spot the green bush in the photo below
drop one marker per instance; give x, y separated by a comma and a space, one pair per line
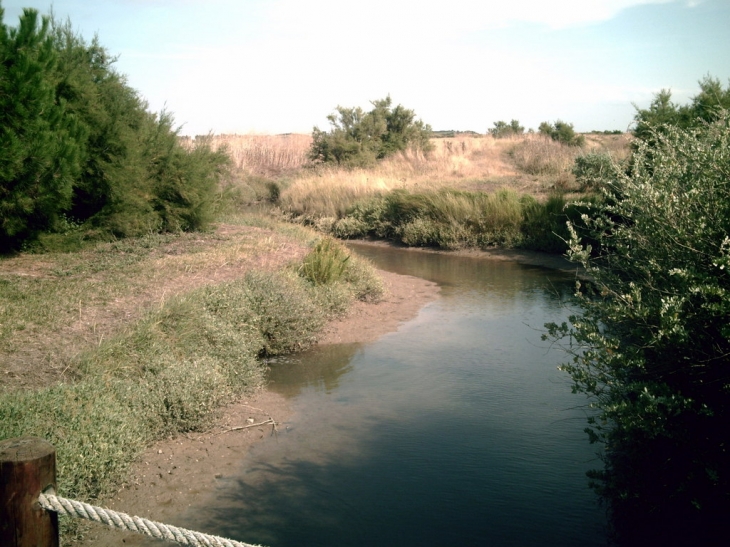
707, 106
41, 143
592, 169
365, 283
286, 315
359, 139
654, 338
325, 264
503, 129
78, 143
562, 132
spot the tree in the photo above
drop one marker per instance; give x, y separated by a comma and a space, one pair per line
358, 138
77, 141
707, 106
651, 348
562, 132
40, 143
503, 129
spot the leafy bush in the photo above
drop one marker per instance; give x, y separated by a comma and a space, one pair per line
358, 138
78, 143
654, 338
707, 106
286, 315
590, 170
562, 132
503, 129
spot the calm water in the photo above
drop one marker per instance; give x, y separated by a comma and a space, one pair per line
455, 430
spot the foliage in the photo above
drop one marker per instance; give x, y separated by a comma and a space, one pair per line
167, 369
358, 138
81, 145
591, 169
707, 106
285, 314
651, 347
503, 129
41, 143
562, 132
325, 264
452, 219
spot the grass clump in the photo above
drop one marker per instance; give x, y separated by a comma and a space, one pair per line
325, 264
543, 156
331, 269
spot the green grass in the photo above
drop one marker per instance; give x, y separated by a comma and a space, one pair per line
453, 219
170, 366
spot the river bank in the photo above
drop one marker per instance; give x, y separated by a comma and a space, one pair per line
176, 473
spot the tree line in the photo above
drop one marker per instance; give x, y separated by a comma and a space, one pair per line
80, 147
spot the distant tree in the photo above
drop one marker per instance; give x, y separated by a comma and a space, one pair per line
707, 106
39, 143
358, 138
503, 129
562, 132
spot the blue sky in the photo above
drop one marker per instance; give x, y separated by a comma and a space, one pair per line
275, 66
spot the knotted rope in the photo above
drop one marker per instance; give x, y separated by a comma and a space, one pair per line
120, 521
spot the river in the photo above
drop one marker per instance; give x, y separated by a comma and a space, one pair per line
455, 430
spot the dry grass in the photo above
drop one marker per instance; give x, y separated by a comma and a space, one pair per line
539, 155
266, 155
462, 163
56, 306
617, 146
526, 164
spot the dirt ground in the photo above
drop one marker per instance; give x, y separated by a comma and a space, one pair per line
177, 473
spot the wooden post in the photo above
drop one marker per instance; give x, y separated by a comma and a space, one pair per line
27, 468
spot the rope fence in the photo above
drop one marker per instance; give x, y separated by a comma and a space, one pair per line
29, 507
122, 521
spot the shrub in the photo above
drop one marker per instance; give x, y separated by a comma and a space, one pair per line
503, 129
707, 106
562, 132
654, 338
358, 138
286, 315
78, 142
592, 169
41, 145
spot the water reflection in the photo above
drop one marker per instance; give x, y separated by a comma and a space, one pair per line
320, 368
455, 430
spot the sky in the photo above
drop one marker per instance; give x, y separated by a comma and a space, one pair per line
281, 66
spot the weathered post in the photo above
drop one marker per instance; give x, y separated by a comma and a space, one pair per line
27, 468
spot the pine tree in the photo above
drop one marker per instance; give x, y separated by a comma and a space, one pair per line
40, 144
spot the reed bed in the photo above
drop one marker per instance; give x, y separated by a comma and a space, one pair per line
266, 154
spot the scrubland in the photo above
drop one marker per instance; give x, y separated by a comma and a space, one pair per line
468, 191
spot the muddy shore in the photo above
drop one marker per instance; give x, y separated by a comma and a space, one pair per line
175, 474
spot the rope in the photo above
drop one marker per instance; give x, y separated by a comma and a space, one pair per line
120, 521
